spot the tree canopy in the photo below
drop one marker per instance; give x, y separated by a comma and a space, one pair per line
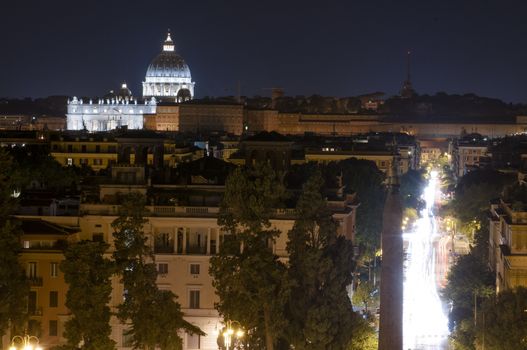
474, 192
14, 287
155, 316
503, 322
469, 281
88, 274
249, 278
320, 269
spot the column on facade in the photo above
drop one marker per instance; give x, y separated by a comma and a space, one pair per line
176, 240
209, 230
185, 230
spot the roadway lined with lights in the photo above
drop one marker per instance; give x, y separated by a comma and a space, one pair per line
425, 322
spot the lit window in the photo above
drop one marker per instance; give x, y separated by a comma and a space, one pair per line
193, 341
162, 268
70, 162
194, 269
54, 269
32, 270
53, 328
53, 298
194, 299
128, 340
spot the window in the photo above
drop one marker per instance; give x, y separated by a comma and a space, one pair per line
194, 299
193, 341
53, 328
162, 268
32, 269
194, 269
70, 148
83, 148
70, 161
97, 149
53, 298
32, 302
97, 161
97, 237
128, 340
54, 269
26, 244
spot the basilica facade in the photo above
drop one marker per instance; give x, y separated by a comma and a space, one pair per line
114, 110
167, 79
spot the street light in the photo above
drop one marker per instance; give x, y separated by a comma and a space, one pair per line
26, 342
229, 333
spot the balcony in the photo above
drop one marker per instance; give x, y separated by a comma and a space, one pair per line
196, 249
59, 244
35, 281
35, 311
164, 247
161, 211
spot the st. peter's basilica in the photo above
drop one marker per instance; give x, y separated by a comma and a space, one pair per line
167, 79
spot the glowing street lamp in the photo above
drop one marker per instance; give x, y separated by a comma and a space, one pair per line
26, 342
229, 333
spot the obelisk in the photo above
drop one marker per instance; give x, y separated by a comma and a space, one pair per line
391, 303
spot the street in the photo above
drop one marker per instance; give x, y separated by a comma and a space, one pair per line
426, 264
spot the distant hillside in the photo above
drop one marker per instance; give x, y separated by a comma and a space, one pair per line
442, 104
52, 105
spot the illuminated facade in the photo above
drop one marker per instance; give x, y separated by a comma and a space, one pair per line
108, 113
507, 244
183, 235
168, 76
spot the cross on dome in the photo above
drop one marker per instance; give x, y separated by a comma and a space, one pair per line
169, 44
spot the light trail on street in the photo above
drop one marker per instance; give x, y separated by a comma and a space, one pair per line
425, 321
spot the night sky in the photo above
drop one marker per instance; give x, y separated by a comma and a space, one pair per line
332, 48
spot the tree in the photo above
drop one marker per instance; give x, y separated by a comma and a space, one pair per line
503, 322
412, 184
35, 163
474, 192
468, 280
249, 278
363, 177
320, 271
155, 316
88, 274
365, 294
14, 287
364, 335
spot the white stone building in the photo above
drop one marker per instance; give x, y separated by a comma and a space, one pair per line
168, 76
108, 113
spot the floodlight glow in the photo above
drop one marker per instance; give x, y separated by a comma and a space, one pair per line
425, 323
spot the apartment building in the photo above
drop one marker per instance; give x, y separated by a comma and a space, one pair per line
182, 230
508, 243
469, 152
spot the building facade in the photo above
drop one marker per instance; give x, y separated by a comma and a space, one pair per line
109, 113
508, 244
184, 235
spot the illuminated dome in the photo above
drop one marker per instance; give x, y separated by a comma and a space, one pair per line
168, 64
168, 75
